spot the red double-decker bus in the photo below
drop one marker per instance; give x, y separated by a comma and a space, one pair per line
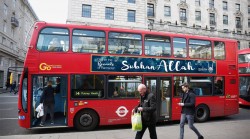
244, 77
99, 69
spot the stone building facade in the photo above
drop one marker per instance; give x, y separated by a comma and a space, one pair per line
215, 18
16, 19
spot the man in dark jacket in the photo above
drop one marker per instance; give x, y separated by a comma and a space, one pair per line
147, 106
48, 101
188, 110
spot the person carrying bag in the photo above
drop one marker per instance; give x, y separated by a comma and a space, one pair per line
147, 108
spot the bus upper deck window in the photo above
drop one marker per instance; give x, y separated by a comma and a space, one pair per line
219, 50
180, 49
157, 46
88, 41
125, 43
53, 40
200, 49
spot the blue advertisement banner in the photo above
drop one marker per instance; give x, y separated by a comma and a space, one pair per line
136, 64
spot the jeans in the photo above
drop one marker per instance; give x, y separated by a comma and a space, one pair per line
190, 119
152, 131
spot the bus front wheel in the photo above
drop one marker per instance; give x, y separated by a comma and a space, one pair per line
201, 113
86, 120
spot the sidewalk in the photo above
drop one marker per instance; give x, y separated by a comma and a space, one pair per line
4, 92
210, 130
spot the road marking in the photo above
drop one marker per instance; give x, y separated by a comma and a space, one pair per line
8, 96
8, 118
9, 103
6, 109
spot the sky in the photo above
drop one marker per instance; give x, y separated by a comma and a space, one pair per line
54, 11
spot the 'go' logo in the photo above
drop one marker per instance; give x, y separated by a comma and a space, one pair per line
44, 66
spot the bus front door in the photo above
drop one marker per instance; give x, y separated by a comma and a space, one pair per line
59, 85
161, 87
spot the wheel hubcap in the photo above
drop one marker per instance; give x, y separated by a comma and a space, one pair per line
86, 120
200, 113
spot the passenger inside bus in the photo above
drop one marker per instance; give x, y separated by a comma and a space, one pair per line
115, 95
126, 51
55, 45
58, 85
119, 51
218, 87
136, 52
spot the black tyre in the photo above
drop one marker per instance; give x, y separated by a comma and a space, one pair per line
86, 120
201, 113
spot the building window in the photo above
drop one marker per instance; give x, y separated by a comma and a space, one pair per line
86, 11
212, 19
14, 3
167, 11
225, 19
198, 15
5, 26
3, 40
131, 16
197, 2
183, 14
225, 5
12, 46
225, 30
248, 9
237, 6
211, 3
131, 1
150, 9
5, 9
249, 45
12, 32
237, 22
109, 13
1, 61
249, 23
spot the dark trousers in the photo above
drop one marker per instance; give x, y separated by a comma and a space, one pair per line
152, 131
190, 119
51, 108
12, 89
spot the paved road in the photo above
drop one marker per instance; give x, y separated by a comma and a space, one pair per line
232, 127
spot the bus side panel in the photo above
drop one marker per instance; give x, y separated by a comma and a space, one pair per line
231, 96
118, 112
176, 109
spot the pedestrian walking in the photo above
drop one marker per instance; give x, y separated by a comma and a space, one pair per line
147, 107
188, 110
7, 85
13, 87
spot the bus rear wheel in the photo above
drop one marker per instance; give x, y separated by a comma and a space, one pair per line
86, 120
201, 113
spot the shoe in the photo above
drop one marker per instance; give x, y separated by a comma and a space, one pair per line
52, 122
201, 137
41, 124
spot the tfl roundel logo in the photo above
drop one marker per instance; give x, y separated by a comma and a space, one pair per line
121, 111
